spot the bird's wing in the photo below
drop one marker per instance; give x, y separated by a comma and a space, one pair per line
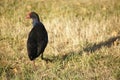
31, 47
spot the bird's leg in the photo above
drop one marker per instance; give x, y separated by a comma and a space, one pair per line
33, 63
45, 59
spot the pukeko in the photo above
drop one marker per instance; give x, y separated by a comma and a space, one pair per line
37, 38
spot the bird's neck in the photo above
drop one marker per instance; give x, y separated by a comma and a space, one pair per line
35, 21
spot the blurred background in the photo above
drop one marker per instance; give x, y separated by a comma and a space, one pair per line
83, 40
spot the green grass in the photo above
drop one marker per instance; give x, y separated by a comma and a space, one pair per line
83, 40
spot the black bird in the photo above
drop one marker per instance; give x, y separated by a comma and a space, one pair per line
37, 39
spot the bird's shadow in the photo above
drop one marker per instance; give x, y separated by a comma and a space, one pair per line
47, 60
92, 48
108, 43
59, 58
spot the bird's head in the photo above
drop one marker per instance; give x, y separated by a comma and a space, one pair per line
33, 15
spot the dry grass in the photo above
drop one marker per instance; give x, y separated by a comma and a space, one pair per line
83, 40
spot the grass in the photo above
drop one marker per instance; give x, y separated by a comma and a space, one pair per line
83, 40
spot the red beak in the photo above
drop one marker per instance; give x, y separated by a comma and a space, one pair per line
28, 16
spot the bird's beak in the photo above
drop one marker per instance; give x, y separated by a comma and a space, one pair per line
28, 16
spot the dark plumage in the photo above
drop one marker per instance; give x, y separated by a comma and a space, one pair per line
37, 39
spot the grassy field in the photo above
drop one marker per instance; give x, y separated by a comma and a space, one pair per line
84, 40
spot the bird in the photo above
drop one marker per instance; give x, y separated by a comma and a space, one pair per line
37, 37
